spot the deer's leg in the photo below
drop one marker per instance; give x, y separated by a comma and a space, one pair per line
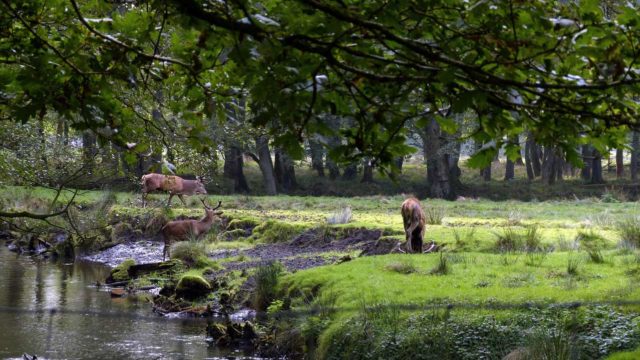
170, 197
144, 197
182, 199
165, 250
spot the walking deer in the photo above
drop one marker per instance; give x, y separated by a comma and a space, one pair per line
184, 229
414, 224
175, 185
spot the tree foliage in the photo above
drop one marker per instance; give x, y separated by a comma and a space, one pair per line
565, 71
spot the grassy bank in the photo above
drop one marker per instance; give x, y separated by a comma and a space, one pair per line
542, 252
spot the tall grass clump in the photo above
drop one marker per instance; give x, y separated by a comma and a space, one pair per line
464, 238
548, 344
434, 215
593, 243
532, 239
192, 252
266, 278
629, 230
442, 267
508, 241
342, 216
573, 265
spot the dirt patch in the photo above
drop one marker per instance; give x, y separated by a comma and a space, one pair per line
304, 251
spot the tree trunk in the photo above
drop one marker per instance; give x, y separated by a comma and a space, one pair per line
367, 173
234, 168
284, 171
509, 172
619, 163
89, 150
596, 168
350, 172
635, 151
587, 160
266, 165
534, 153
399, 161
317, 152
528, 148
438, 163
486, 173
549, 166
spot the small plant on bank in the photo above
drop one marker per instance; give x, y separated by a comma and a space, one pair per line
629, 231
266, 278
463, 238
434, 215
593, 244
192, 253
442, 267
340, 217
573, 265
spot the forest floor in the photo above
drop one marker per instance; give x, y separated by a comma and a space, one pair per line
581, 250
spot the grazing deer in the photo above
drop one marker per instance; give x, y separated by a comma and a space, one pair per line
414, 221
184, 229
175, 185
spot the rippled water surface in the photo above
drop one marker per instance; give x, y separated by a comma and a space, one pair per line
53, 310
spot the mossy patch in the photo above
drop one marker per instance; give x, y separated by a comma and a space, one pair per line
121, 272
272, 231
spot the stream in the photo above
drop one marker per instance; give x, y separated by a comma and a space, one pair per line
54, 310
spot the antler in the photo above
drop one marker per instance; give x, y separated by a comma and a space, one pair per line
208, 207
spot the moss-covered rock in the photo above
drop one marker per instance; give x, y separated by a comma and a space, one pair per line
121, 272
191, 286
242, 224
120, 231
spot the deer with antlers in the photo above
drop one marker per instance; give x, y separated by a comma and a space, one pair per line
184, 229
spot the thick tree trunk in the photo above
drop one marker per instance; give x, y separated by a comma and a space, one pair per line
317, 153
234, 169
285, 171
509, 171
587, 160
635, 153
266, 165
596, 168
439, 182
619, 163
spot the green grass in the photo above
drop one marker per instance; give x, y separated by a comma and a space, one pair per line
625, 355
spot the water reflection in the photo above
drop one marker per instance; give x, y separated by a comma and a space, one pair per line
51, 309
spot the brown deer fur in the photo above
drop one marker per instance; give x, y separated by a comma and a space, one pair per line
414, 224
175, 185
184, 229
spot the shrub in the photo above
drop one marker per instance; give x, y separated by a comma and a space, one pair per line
266, 278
